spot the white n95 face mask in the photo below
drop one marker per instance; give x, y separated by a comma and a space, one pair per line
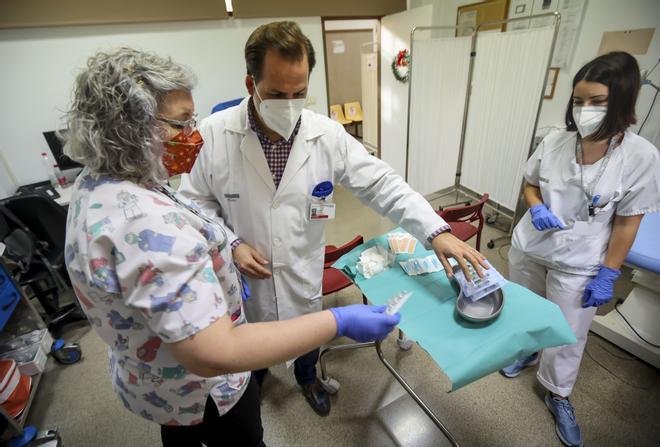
280, 115
588, 118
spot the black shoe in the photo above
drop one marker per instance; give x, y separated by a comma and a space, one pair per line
317, 397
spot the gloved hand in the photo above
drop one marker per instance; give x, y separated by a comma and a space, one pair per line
601, 289
364, 323
543, 219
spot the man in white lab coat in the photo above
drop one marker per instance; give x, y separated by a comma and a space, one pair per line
268, 169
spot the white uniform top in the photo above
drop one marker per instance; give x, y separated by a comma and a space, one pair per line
629, 186
231, 178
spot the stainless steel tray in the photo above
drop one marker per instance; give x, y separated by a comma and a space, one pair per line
486, 309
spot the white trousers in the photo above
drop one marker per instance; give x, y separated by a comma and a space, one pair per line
559, 366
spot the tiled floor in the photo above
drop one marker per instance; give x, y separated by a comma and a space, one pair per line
617, 397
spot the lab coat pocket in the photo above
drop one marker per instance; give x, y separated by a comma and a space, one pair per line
605, 214
310, 272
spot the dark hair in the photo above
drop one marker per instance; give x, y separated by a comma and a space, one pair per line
620, 73
284, 37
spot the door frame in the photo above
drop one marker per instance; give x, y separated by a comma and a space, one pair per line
325, 56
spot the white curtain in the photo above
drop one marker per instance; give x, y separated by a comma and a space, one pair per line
506, 86
370, 99
439, 82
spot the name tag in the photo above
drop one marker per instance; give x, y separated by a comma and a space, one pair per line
581, 228
232, 197
321, 211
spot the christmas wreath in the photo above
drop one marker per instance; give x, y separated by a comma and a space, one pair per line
400, 66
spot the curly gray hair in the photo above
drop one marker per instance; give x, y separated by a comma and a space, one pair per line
111, 124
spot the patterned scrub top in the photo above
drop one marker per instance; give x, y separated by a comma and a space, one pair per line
149, 268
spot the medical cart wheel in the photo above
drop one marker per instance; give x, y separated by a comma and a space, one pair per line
66, 353
405, 344
330, 385
491, 244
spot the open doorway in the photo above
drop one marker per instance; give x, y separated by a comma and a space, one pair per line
352, 61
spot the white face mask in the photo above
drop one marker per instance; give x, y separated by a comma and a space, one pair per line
280, 115
588, 118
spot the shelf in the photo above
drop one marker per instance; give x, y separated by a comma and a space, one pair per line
33, 390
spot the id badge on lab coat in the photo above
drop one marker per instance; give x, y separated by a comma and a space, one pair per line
321, 210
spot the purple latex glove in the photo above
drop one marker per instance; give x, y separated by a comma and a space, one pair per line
364, 323
543, 219
601, 289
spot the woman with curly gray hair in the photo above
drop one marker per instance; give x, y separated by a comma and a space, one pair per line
155, 275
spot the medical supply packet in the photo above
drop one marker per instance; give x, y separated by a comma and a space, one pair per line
419, 266
395, 303
402, 243
475, 287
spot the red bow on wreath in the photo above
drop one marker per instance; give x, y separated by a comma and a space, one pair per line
402, 58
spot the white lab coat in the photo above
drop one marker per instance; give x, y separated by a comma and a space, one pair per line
231, 179
630, 185
558, 264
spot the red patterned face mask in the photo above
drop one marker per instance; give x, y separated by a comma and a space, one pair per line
181, 152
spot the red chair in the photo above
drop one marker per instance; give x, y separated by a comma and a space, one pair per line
459, 219
334, 280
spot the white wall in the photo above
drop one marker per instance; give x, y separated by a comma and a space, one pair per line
39, 67
611, 15
395, 36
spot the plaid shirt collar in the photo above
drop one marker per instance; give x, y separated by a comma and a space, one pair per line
263, 138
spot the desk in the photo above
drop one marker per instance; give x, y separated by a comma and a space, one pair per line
65, 195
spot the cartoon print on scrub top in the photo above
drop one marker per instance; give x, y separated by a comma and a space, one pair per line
149, 240
176, 218
70, 251
196, 254
148, 351
121, 344
160, 202
148, 274
103, 226
217, 259
103, 276
188, 388
117, 255
195, 408
157, 401
116, 321
129, 204
173, 301
120, 268
207, 275
174, 372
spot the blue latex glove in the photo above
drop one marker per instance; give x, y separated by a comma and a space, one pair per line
601, 289
245, 290
364, 323
543, 219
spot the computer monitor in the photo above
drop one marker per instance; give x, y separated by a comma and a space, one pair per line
55, 145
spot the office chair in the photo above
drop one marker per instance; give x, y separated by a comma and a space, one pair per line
353, 112
460, 220
34, 230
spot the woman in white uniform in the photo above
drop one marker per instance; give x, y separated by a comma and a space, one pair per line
587, 188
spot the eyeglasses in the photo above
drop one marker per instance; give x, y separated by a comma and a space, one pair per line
187, 127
